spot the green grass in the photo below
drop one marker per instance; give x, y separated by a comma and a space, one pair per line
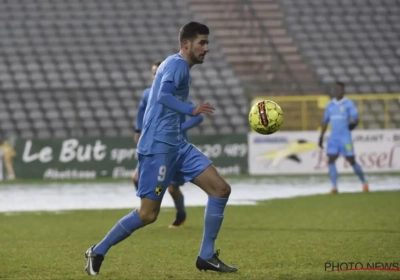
277, 239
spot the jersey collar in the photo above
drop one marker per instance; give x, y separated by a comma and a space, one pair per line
340, 101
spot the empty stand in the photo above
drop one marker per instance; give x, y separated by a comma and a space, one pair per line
356, 42
256, 43
78, 68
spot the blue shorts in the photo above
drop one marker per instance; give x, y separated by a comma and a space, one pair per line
340, 146
157, 171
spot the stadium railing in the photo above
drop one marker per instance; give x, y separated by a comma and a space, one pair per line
376, 111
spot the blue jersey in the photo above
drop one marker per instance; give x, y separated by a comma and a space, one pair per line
142, 108
339, 114
161, 131
185, 124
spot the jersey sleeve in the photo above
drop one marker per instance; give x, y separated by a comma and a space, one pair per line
192, 122
175, 72
352, 109
327, 116
141, 110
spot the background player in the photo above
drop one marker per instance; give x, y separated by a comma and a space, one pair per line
140, 115
343, 116
174, 188
164, 154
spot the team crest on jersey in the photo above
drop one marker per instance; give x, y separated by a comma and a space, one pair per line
159, 190
341, 108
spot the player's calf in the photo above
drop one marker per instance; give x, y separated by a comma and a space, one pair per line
359, 172
218, 191
177, 196
333, 174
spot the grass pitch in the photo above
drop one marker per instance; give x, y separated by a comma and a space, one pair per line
277, 239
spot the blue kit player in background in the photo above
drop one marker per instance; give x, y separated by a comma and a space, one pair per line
342, 114
174, 187
140, 115
164, 154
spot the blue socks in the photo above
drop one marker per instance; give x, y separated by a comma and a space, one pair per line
180, 208
359, 172
123, 229
213, 217
333, 175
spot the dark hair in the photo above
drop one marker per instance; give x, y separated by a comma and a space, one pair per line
340, 84
157, 63
190, 31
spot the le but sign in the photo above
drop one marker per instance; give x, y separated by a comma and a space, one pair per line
86, 158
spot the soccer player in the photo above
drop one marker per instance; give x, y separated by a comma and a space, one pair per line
140, 115
165, 154
343, 116
174, 188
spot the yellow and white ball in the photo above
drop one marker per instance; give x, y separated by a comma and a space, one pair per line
266, 117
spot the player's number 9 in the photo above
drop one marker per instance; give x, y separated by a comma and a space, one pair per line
161, 173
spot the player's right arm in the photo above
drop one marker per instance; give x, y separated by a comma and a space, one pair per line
176, 72
140, 115
324, 126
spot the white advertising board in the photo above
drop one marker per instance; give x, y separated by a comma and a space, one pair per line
298, 152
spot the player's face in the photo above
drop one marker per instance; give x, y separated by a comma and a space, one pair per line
153, 71
339, 92
198, 48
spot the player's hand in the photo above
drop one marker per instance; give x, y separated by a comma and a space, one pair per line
352, 126
205, 108
136, 137
321, 141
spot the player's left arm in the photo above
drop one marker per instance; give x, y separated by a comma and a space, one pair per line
140, 113
177, 72
192, 122
140, 116
324, 126
353, 112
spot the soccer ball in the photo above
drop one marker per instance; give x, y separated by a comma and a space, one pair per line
266, 117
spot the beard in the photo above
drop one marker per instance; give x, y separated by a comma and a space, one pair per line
196, 60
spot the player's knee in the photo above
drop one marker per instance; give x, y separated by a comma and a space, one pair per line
172, 190
223, 190
331, 160
148, 216
351, 160
135, 177
149, 210
175, 192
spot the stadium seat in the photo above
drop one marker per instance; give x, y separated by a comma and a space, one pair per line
81, 67
351, 42
358, 40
